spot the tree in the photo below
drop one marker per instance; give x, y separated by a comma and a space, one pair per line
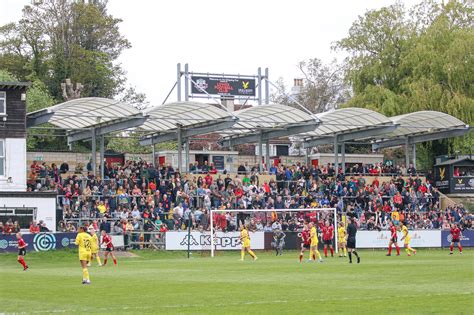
59, 39
402, 61
322, 88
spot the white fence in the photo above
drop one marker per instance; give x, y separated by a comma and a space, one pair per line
419, 238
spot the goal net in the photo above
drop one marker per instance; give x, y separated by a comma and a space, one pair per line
261, 224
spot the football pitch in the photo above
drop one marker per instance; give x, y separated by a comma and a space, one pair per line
168, 282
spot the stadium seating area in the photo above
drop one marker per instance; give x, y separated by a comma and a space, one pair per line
138, 196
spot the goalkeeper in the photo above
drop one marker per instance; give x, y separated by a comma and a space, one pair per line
278, 241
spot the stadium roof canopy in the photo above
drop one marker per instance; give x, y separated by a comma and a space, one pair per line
184, 119
419, 127
265, 122
88, 116
347, 124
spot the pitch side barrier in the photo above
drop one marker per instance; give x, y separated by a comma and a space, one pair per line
201, 241
43, 242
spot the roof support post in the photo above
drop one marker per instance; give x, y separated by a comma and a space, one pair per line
267, 154
414, 155
180, 149
186, 155
153, 148
306, 156
407, 153
102, 156
94, 151
267, 87
259, 88
343, 157
186, 82
260, 152
178, 81
336, 157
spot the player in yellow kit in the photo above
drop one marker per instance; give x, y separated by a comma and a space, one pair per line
94, 246
407, 239
245, 240
314, 243
84, 242
341, 240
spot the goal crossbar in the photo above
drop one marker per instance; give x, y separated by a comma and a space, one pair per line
247, 211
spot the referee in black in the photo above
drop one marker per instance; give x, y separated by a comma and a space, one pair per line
351, 240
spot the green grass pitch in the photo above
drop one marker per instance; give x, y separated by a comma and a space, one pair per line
168, 282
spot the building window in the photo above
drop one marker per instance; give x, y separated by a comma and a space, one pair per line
3, 103
2, 157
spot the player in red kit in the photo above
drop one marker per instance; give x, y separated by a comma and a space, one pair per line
328, 236
455, 238
109, 247
305, 240
21, 251
393, 239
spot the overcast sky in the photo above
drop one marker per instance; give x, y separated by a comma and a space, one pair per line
223, 36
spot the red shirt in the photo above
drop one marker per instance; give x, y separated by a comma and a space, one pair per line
107, 240
455, 233
34, 229
328, 233
21, 243
393, 231
305, 236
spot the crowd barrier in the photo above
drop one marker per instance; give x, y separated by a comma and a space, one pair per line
178, 240
43, 242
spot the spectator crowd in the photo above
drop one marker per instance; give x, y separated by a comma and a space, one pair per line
139, 196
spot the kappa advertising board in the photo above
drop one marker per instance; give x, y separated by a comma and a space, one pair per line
223, 86
419, 238
202, 241
43, 242
467, 238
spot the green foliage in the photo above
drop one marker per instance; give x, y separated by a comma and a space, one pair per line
5, 76
61, 39
403, 61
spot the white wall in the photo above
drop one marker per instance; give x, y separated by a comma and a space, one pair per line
15, 162
46, 208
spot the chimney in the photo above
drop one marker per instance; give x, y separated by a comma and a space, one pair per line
228, 102
297, 86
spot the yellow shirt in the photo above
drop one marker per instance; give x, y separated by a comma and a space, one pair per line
395, 216
404, 230
94, 243
84, 243
244, 235
341, 233
314, 235
102, 208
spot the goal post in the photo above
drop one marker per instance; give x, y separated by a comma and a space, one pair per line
256, 211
